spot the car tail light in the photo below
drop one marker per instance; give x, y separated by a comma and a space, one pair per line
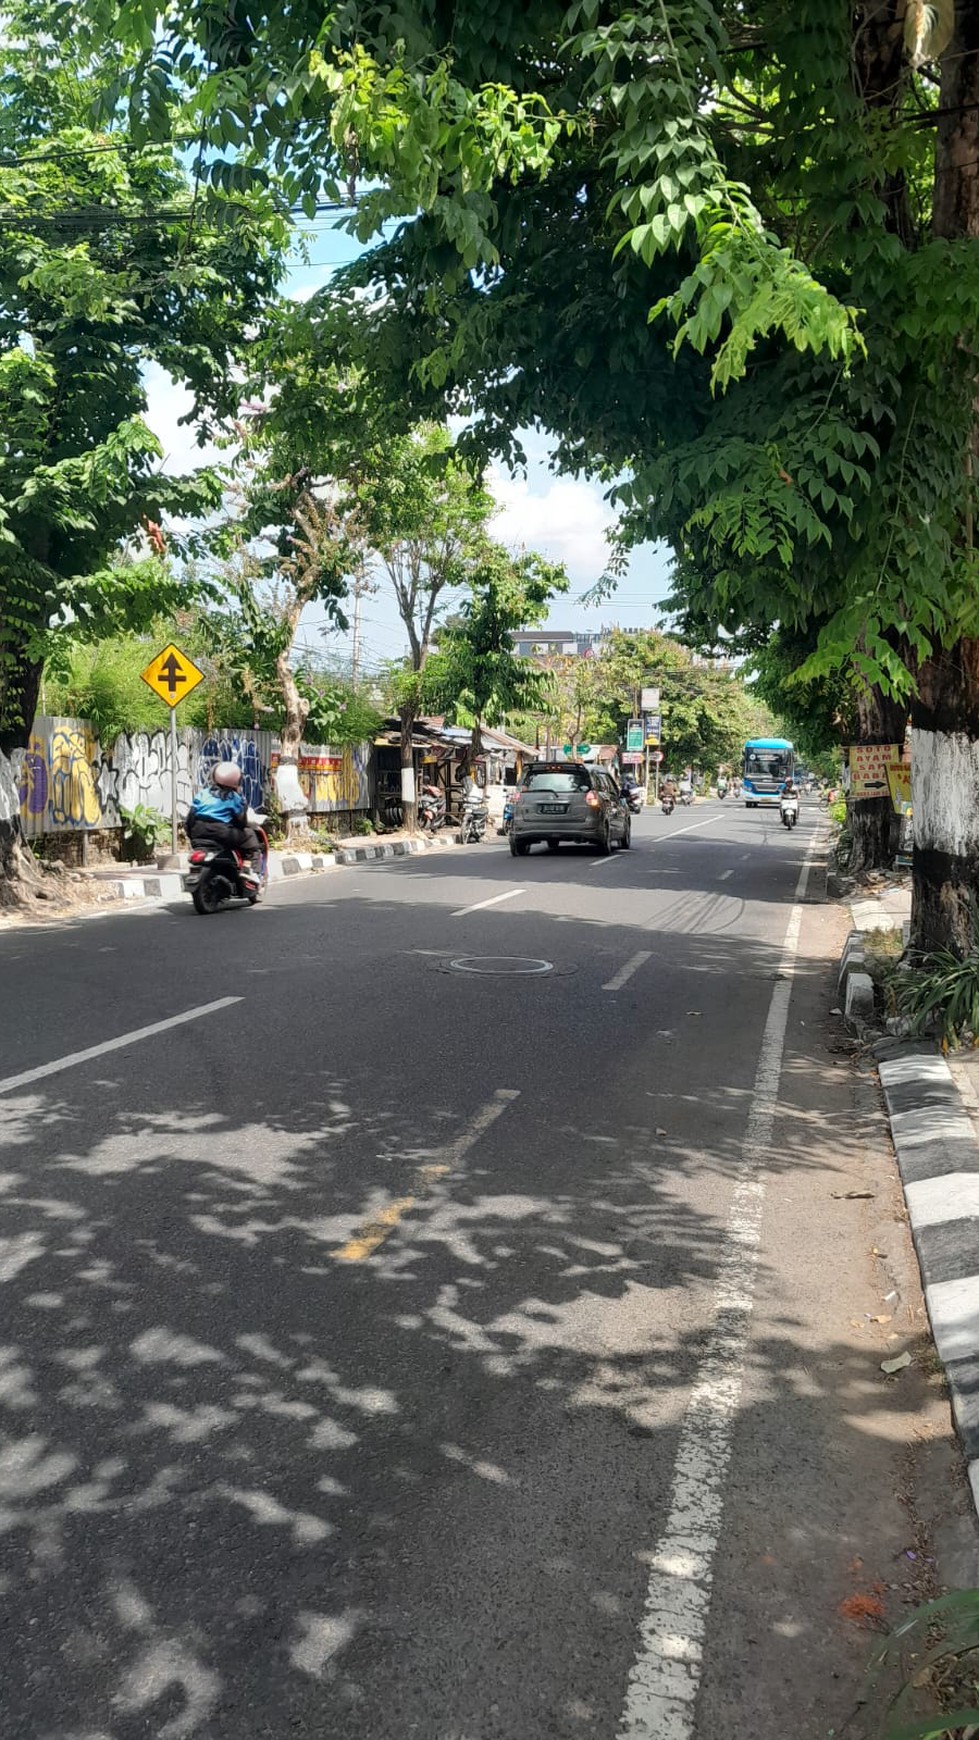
593, 801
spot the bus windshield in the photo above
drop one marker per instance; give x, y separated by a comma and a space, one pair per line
767, 763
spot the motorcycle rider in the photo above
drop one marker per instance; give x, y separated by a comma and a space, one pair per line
219, 817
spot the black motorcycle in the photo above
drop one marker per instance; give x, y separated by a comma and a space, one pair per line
215, 877
473, 821
431, 812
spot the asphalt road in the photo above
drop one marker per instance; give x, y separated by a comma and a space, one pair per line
419, 1347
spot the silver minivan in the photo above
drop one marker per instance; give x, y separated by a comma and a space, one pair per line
561, 800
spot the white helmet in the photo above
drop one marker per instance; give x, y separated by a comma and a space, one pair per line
227, 774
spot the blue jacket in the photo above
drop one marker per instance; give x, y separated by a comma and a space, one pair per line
218, 805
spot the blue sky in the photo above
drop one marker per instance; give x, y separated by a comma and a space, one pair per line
563, 517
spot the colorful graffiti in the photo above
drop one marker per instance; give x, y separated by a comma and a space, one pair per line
244, 749
67, 781
56, 777
334, 779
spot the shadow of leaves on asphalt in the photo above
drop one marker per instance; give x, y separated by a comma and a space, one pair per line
244, 1484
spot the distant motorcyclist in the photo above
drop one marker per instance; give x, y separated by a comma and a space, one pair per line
219, 817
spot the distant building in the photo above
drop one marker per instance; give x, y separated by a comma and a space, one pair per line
551, 643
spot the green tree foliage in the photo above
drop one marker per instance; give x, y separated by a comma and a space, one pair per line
707, 713
101, 681
104, 266
476, 674
819, 712
729, 251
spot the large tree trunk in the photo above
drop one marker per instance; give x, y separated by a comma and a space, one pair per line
292, 799
20, 690
874, 828
409, 801
19, 879
945, 792
945, 716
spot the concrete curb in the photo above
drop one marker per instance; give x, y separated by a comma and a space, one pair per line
283, 864
370, 854
168, 885
938, 1157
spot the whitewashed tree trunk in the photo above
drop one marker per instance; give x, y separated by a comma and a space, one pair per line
945, 806
292, 799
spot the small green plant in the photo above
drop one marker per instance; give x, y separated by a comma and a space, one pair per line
941, 990
935, 1650
274, 824
364, 825
837, 811
143, 831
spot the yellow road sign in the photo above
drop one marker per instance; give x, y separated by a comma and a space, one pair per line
172, 675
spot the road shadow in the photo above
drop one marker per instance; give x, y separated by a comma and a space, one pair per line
250, 1486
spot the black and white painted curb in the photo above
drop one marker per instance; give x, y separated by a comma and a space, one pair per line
369, 854
938, 1156
168, 884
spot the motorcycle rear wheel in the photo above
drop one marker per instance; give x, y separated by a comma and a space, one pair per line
208, 895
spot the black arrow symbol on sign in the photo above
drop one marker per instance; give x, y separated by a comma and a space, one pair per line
172, 674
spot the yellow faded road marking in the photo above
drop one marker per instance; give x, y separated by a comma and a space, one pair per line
428, 1174
366, 1240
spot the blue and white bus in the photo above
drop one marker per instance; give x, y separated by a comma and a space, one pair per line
766, 766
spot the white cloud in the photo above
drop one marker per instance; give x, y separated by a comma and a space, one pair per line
167, 402
565, 519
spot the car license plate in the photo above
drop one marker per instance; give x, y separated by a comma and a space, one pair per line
552, 809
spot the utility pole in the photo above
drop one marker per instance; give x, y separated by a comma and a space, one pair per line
361, 586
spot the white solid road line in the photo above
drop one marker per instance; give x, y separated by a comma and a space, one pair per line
665, 839
724, 875
603, 863
664, 1682
625, 973
69, 1062
494, 900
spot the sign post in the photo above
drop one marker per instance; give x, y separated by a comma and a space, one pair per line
172, 676
655, 756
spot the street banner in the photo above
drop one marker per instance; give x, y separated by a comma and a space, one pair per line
869, 763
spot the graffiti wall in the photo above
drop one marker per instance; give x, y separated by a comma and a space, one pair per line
334, 779
67, 782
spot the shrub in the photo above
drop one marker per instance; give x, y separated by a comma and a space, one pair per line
942, 990
143, 830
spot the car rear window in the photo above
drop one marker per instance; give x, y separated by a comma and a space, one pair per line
557, 779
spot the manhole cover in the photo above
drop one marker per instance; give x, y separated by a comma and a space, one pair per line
504, 966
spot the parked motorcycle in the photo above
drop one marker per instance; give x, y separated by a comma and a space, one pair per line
475, 816
214, 878
788, 809
431, 811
